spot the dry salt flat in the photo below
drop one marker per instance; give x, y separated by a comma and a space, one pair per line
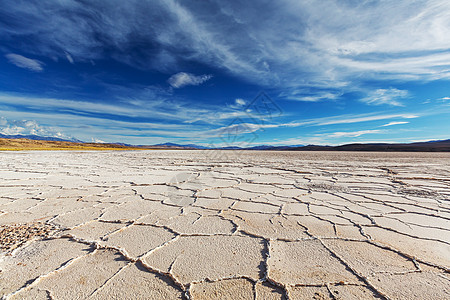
224, 225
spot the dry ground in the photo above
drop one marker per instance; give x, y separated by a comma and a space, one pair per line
224, 225
27, 144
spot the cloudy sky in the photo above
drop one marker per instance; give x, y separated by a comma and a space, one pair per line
225, 73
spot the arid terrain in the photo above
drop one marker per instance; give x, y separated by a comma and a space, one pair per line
224, 225
7, 144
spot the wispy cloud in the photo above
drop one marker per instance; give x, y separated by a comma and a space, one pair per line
349, 119
245, 127
158, 109
69, 58
182, 79
129, 117
307, 96
240, 102
25, 63
87, 127
332, 138
394, 123
303, 43
386, 96
351, 134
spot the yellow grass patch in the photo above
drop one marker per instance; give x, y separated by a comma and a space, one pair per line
27, 144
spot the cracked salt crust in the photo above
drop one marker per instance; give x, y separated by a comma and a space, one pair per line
261, 225
224, 289
195, 223
134, 281
35, 260
83, 277
306, 262
268, 226
138, 239
367, 258
404, 286
197, 258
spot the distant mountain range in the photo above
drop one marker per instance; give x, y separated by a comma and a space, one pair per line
172, 145
193, 146
430, 146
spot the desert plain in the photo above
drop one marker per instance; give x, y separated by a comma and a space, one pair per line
224, 225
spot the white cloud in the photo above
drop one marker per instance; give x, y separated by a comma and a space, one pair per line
239, 106
299, 95
24, 62
394, 123
182, 79
386, 96
95, 140
351, 134
28, 127
240, 102
349, 119
234, 129
69, 58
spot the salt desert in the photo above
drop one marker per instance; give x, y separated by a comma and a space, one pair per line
224, 225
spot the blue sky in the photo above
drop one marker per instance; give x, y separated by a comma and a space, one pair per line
148, 72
